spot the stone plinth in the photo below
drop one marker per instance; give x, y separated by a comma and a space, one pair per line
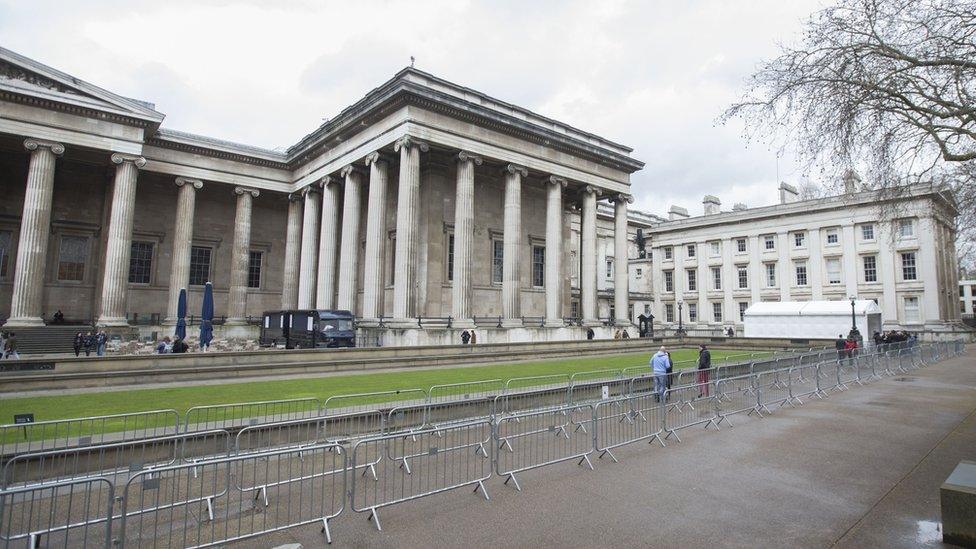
958, 500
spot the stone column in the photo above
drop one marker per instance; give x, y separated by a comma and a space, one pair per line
554, 251
588, 254
325, 292
621, 279
405, 258
512, 258
375, 237
237, 295
35, 228
308, 263
463, 240
349, 250
179, 274
118, 250
293, 253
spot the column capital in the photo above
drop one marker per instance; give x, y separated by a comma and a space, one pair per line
555, 180
32, 144
465, 156
349, 169
590, 189
195, 183
376, 157
308, 189
622, 197
119, 158
246, 190
408, 141
296, 196
516, 169
328, 180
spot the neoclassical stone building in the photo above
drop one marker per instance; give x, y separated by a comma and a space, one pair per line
423, 200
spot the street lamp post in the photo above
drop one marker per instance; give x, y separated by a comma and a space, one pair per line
681, 330
854, 334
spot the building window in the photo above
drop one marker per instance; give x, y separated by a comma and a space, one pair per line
609, 269
692, 280
392, 260
769, 242
668, 252
717, 311
801, 274
497, 261
743, 305
574, 309
6, 237
692, 312
870, 268
640, 272
254, 260
72, 256
908, 266
630, 311
770, 275
799, 239
740, 244
832, 237
613, 311
538, 266
140, 262
716, 249
691, 250
200, 265
867, 232
669, 312
833, 271
911, 309
743, 272
668, 281
450, 257
716, 278
906, 228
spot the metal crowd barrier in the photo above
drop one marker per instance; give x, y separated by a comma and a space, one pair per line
626, 420
735, 395
241, 414
74, 513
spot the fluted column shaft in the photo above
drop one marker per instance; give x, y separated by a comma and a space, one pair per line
293, 253
408, 196
349, 250
554, 252
35, 229
237, 295
325, 292
621, 282
512, 258
375, 238
588, 256
308, 263
179, 274
463, 240
118, 249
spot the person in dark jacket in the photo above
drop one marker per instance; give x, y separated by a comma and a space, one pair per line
465, 337
78, 343
704, 365
590, 333
180, 346
840, 344
101, 339
670, 371
89, 343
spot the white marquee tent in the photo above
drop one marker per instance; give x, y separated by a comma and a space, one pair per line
811, 319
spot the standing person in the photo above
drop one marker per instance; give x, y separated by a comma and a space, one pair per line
78, 342
10, 347
659, 367
100, 340
704, 364
164, 347
474, 338
670, 370
59, 317
840, 344
465, 337
850, 347
625, 334
590, 334
89, 343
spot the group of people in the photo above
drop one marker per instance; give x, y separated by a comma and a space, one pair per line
894, 336
91, 341
846, 346
468, 337
167, 346
621, 334
662, 369
8, 346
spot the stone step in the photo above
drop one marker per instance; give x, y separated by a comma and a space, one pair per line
46, 339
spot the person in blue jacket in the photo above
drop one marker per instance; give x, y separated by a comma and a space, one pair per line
659, 367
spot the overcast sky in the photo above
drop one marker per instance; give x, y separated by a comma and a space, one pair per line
651, 75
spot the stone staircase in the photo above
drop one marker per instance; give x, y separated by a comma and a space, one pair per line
46, 339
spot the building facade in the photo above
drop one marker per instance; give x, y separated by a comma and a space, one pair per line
967, 297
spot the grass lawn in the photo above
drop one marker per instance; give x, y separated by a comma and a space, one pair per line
182, 398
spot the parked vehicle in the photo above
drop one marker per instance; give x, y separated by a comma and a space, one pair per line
308, 329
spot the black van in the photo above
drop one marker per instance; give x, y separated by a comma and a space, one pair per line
274, 329
309, 329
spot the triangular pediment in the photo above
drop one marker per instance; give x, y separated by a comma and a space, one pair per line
24, 76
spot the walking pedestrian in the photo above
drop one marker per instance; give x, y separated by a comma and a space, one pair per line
474, 338
101, 339
89, 343
659, 368
78, 342
704, 364
10, 347
465, 337
840, 344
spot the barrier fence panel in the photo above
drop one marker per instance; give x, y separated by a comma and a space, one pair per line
470, 390
803, 382
436, 461
75, 513
295, 434
115, 461
735, 395
536, 439
846, 372
893, 362
86, 431
234, 498
379, 400
242, 414
687, 406
537, 383
773, 389
865, 364
526, 400
626, 420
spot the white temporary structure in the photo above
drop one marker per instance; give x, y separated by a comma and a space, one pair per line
811, 319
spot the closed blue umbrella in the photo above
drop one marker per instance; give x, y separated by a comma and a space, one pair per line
206, 320
181, 315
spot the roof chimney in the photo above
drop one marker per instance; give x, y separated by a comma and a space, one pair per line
739, 206
677, 212
851, 181
788, 193
711, 204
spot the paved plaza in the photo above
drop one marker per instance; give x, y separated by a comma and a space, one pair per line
861, 469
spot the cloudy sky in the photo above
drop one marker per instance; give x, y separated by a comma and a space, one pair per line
652, 75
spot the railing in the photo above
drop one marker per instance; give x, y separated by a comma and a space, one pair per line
192, 489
